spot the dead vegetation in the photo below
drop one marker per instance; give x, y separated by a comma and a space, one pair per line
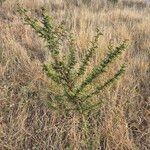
122, 123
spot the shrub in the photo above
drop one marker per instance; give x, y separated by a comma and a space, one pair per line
69, 72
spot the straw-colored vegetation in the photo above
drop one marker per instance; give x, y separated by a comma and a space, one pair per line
121, 122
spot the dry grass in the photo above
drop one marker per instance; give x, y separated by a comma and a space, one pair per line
122, 123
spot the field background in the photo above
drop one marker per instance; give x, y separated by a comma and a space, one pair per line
122, 123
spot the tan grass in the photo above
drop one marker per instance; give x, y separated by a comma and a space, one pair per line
123, 121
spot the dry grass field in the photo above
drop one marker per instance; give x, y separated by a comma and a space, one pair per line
121, 123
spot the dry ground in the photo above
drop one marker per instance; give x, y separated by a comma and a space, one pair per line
122, 123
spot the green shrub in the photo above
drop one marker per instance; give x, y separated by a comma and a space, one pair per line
68, 71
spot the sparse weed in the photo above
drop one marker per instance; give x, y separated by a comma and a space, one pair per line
69, 73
